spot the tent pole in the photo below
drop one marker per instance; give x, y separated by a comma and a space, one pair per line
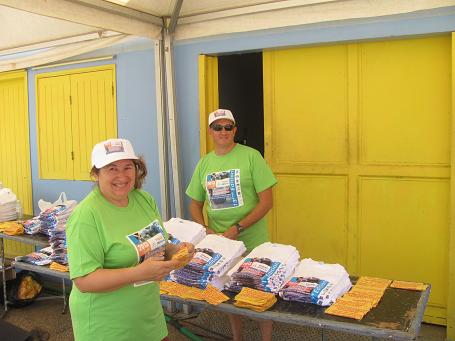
161, 128
168, 34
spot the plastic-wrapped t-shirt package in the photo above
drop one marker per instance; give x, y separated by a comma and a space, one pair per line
265, 268
316, 282
214, 256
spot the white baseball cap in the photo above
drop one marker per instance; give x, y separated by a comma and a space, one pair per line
220, 114
112, 150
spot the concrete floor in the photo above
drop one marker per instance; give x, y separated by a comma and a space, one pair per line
46, 319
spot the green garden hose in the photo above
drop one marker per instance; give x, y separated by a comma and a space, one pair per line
182, 329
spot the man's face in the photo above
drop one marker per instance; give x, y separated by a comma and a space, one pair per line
222, 136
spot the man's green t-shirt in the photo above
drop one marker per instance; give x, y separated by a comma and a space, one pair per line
230, 183
102, 235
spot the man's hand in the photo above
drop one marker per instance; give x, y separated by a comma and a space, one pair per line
231, 233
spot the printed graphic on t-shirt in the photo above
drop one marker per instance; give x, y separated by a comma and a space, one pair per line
223, 189
148, 241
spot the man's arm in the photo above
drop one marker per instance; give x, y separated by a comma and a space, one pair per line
264, 205
196, 210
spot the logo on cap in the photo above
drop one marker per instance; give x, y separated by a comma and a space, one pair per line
114, 147
220, 113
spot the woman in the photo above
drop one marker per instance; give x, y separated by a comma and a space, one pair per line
117, 251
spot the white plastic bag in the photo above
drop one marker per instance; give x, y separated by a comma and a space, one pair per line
44, 205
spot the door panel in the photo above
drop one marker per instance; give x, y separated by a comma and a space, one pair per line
93, 116
15, 147
308, 199
208, 97
359, 138
405, 91
54, 128
300, 97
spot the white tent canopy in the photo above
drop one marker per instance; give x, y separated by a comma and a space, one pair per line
30, 24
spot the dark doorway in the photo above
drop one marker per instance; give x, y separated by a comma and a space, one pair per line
241, 91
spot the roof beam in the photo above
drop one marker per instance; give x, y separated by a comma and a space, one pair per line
297, 12
95, 13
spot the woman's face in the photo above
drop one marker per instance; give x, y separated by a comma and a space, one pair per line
116, 180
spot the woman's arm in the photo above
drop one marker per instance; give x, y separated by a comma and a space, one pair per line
264, 205
106, 280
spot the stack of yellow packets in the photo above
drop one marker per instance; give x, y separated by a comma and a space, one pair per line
11, 228
182, 256
254, 299
211, 294
363, 296
59, 267
409, 285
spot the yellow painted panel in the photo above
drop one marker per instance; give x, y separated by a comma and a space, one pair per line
405, 94
14, 140
311, 214
14, 249
308, 126
208, 97
395, 124
15, 147
93, 116
54, 128
403, 231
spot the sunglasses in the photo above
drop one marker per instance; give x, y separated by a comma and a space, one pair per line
219, 127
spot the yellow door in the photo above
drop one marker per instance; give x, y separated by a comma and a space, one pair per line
54, 128
75, 110
208, 97
15, 147
93, 116
359, 138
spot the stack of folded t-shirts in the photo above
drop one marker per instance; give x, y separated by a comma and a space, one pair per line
32, 226
41, 257
265, 268
53, 224
181, 230
316, 282
8, 205
213, 257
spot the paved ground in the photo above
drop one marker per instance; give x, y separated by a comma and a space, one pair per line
46, 319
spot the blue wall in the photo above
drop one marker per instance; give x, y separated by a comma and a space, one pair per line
186, 60
136, 99
136, 114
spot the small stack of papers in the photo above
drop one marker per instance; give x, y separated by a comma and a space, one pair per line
409, 285
11, 228
210, 294
364, 296
253, 299
182, 256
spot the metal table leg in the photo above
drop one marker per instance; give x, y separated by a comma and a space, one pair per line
5, 301
64, 296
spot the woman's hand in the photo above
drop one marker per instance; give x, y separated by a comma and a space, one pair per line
154, 269
189, 247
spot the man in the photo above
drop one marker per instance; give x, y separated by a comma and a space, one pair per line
237, 184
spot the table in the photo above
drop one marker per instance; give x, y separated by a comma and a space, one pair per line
38, 240
398, 315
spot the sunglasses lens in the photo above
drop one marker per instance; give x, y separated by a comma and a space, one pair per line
219, 127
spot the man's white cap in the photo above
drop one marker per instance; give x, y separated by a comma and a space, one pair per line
112, 150
220, 114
